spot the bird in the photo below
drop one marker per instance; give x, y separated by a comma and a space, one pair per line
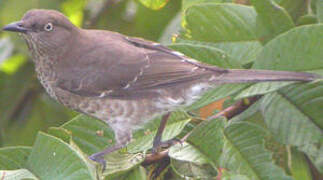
121, 80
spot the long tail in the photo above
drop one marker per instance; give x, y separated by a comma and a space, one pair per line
244, 76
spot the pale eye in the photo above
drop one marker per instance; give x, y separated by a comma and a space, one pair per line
48, 27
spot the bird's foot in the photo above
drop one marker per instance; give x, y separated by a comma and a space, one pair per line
99, 158
165, 144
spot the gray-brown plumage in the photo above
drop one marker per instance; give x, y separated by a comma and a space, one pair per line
121, 80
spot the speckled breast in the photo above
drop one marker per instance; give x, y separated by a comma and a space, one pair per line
46, 77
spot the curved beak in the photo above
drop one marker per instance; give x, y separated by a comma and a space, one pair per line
15, 27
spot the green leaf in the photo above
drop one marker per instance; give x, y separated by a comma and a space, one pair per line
14, 157
319, 10
207, 138
186, 161
143, 139
120, 163
52, 158
294, 116
206, 54
154, 4
17, 174
299, 49
91, 135
274, 18
186, 152
261, 88
189, 170
213, 22
302, 118
240, 52
244, 152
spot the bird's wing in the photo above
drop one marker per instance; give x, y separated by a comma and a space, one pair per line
132, 68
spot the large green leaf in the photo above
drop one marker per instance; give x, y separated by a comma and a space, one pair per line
186, 152
261, 88
302, 120
187, 161
274, 18
294, 116
296, 50
299, 49
240, 53
52, 158
14, 157
213, 22
207, 54
207, 138
244, 152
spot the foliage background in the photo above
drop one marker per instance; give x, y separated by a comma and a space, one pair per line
278, 137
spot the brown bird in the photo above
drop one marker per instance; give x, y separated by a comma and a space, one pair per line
121, 80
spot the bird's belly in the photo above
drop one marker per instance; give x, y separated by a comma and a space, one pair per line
131, 114
121, 114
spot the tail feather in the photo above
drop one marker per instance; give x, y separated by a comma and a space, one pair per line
245, 76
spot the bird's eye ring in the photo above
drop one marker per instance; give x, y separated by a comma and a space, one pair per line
48, 27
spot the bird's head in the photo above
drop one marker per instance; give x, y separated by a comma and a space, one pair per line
44, 29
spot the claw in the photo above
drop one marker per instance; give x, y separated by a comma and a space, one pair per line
165, 144
99, 159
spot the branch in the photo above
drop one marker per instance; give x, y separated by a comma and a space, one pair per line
236, 109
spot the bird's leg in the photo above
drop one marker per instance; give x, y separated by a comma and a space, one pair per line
99, 157
157, 143
122, 138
